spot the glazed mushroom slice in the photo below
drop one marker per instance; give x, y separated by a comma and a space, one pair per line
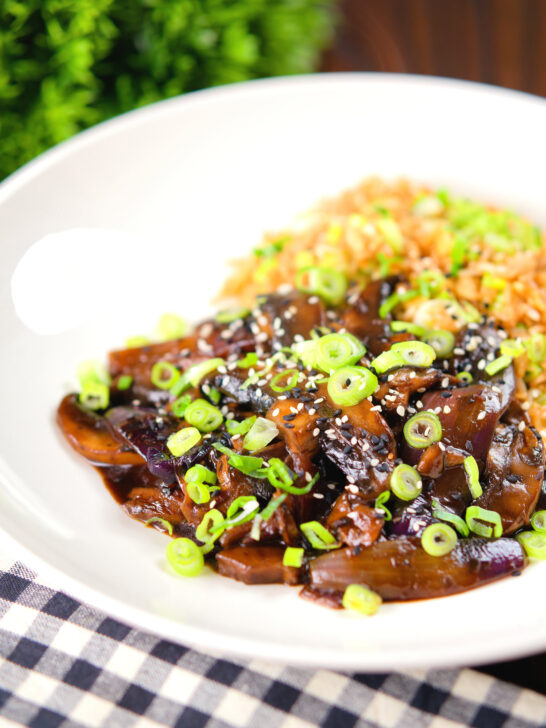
398, 386
361, 444
92, 436
257, 565
514, 475
362, 319
290, 315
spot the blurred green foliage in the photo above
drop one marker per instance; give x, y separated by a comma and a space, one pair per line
67, 64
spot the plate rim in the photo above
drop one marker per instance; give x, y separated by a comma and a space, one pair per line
208, 639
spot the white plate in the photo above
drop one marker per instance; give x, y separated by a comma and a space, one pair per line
187, 184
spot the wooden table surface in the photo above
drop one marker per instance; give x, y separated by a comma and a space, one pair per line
494, 41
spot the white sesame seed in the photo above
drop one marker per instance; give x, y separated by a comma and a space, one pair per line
212, 504
312, 411
275, 412
352, 489
299, 407
447, 409
521, 426
316, 432
353, 441
350, 479
400, 411
319, 400
445, 382
236, 436
481, 416
374, 462
482, 364
377, 408
319, 496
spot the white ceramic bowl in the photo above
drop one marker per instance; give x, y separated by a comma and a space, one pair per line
170, 192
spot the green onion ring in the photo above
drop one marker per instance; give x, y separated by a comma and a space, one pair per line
360, 599
406, 482
291, 374
534, 544
438, 539
318, 536
473, 476
473, 517
423, 429
164, 375
350, 385
185, 557
203, 415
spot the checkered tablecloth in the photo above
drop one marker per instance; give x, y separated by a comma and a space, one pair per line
63, 663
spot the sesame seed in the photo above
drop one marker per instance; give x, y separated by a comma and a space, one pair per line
481, 416
316, 432
521, 426
318, 495
374, 462
447, 409
350, 479
352, 489
401, 411
445, 382
275, 412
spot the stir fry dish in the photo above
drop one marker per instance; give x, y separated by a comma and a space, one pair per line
324, 438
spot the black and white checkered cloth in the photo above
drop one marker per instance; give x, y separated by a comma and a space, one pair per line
63, 663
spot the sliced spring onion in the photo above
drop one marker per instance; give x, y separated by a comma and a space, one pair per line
242, 510
293, 557
318, 536
534, 544
350, 385
415, 353
285, 380
256, 527
497, 365
406, 482
394, 300
171, 327
211, 527
390, 230
166, 525
203, 415
200, 474
180, 405
538, 521
240, 428
386, 361
305, 351
443, 515
473, 476
272, 506
183, 440
136, 342
247, 464
443, 342
194, 374
423, 429
198, 492
512, 348
379, 505
358, 598
260, 434
459, 252
249, 360
280, 476
438, 539
431, 283
231, 314
536, 348
475, 515
185, 557
465, 377
334, 351
124, 382
415, 329
93, 371
94, 395
328, 283
164, 375
213, 395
